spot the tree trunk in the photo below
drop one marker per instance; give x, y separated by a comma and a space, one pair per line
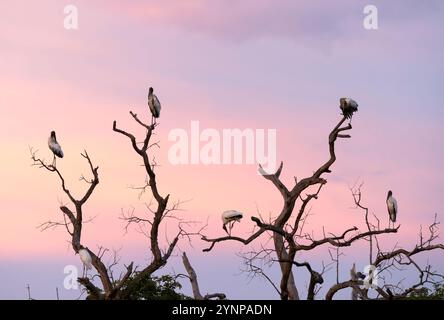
290, 290
193, 277
354, 294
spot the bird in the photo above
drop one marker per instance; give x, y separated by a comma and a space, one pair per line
348, 107
55, 147
392, 207
230, 217
154, 104
86, 260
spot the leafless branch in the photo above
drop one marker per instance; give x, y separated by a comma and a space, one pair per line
194, 283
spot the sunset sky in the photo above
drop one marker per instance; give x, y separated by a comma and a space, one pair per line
257, 64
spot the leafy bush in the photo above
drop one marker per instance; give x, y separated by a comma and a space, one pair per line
154, 288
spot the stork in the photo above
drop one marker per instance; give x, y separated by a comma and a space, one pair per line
392, 207
154, 104
230, 217
348, 107
86, 260
55, 147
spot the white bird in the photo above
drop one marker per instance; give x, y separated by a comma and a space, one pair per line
55, 147
154, 104
392, 207
348, 107
230, 217
86, 260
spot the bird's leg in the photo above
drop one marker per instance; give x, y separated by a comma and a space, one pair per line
83, 273
53, 161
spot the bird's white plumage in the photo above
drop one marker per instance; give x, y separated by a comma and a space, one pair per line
231, 215
86, 258
55, 147
351, 103
348, 106
392, 206
154, 104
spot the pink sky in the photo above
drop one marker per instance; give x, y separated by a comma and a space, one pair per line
227, 66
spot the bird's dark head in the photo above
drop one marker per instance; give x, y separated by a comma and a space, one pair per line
53, 135
150, 90
342, 102
389, 194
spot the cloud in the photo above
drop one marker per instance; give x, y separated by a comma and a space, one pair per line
243, 20
296, 20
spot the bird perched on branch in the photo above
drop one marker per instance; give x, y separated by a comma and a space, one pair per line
230, 217
55, 147
154, 104
392, 207
348, 107
86, 260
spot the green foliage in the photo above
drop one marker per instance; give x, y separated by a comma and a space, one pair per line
153, 288
427, 294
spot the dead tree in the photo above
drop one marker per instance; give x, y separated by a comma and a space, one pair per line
287, 234
388, 262
396, 260
161, 210
282, 232
192, 276
73, 222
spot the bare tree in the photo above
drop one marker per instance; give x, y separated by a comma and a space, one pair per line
395, 260
289, 239
286, 232
192, 276
160, 211
73, 222
386, 263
